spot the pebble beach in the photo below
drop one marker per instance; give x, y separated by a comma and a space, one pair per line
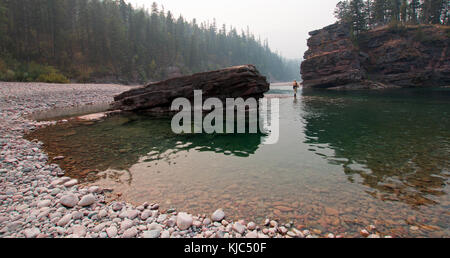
37, 200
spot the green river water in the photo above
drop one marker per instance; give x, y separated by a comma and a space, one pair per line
344, 160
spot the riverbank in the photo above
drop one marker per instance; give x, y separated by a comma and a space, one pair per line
36, 200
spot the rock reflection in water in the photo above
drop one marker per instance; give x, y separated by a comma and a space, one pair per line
400, 148
121, 141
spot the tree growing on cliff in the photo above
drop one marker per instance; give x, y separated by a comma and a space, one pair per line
404, 11
414, 8
381, 12
359, 16
447, 14
354, 13
394, 10
342, 12
380, 9
432, 11
438, 11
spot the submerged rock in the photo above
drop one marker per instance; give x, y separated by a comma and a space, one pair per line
93, 117
235, 82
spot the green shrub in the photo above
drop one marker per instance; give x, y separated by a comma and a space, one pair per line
8, 75
53, 78
30, 72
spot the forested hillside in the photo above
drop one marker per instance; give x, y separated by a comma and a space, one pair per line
111, 41
363, 15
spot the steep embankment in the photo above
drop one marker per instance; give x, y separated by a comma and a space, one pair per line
413, 56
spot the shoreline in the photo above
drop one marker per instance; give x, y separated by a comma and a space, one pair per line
35, 201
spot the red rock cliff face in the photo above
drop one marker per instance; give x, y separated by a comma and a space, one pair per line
383, 57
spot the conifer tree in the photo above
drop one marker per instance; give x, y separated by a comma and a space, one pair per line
414, 8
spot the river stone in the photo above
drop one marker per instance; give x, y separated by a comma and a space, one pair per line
146, 214
252, 234
99, 227
132, 214
55, 191
130, 233
64, 220
218, 215
87, 200
117, 206
71, 183
79, 230
3, 219
197, 223
102, 214
184, 221
171, 222
251, 226
31, 232
155, 226
111, 231
13, 226
126, 224
94, 189
152, 234
161, 218
282, 230
364, 233
44, 203
165, 234
239, 228
93, 117
69, 200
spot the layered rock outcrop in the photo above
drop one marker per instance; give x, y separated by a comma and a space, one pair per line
412, 56
234, 82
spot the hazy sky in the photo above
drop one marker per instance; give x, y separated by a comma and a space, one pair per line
285, 23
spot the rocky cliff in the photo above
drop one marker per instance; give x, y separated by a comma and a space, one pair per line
413, 56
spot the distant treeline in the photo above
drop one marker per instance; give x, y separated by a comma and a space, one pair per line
363, 15
89, 40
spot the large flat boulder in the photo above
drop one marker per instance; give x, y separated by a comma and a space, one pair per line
235, 82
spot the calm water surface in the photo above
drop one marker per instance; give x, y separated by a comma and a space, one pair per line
344, 160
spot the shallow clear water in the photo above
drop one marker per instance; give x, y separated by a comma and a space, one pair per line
344, 160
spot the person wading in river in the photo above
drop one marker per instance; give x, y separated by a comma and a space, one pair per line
295, 86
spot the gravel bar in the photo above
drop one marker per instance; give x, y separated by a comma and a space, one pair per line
36, 202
